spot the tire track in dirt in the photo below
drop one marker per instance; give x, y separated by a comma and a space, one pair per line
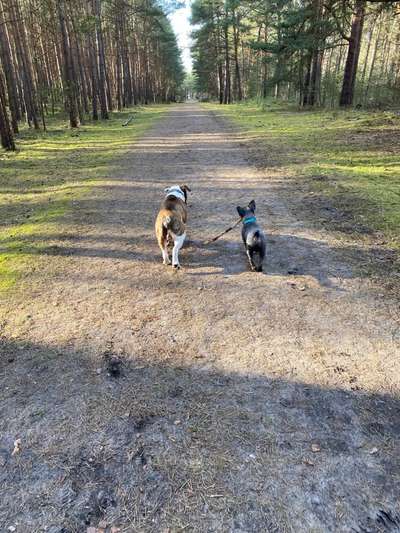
212, 399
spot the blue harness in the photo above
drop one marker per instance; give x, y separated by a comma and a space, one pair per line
249, 220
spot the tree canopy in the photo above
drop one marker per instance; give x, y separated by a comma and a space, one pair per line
87, 57
318, 52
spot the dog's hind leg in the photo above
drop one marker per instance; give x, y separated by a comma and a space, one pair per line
259, 267
178, 243
261, 256
164, 251
250, 256
163, 243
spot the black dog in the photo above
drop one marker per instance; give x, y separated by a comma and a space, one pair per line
253, 237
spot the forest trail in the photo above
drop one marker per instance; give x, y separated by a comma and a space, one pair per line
209, 399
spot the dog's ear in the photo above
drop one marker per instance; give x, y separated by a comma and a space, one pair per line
184, 189
252, 206
241, 211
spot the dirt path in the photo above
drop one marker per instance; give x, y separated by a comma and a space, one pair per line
212, 399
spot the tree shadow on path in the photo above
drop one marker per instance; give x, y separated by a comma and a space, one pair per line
146, 445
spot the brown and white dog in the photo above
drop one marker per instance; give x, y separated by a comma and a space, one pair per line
171, 222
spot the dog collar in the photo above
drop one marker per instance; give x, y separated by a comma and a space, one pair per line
175, 192
249, 220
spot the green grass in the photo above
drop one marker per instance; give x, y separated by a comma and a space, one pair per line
49, 171
349, 158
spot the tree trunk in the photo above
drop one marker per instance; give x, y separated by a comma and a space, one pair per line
25, 64
364, 72
307, 79
94, 77
118, 69
6, 136
373, 61
265, 63
221, 82
101, 61
128, 85
350, 71
327, 70
227, 92
238, 81
78, 61
69, 82
12, 88
315, 84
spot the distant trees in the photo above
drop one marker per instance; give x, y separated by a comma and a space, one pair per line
319, 52
86, 57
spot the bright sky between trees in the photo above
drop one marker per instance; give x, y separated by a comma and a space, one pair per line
180, 23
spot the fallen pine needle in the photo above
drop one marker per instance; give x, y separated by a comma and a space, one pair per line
17, 447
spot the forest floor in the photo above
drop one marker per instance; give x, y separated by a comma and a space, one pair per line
209, 399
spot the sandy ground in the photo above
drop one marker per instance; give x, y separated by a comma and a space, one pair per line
211, 399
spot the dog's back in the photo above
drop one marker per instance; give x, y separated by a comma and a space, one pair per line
171, 222
253, 237
172, 216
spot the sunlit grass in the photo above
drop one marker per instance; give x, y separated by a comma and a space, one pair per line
49, 171
356, 152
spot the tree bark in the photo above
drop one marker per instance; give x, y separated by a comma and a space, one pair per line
6, 136
221, 81
8, 67
69, 81
364, 72
236, 36
350, 71
25, 64
101, 61
265, 63
316, 78
227, 92
307, 80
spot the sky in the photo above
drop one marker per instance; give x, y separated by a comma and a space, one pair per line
181, 26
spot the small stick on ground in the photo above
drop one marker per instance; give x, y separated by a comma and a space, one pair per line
223, 233
129, 120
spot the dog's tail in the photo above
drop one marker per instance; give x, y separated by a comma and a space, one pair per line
256, 237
